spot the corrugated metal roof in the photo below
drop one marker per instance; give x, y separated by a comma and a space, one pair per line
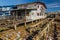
32, 3
8, 6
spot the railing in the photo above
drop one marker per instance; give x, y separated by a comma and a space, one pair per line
45, 30
14, 17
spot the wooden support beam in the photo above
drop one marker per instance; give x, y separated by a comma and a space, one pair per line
25, 25
48, 28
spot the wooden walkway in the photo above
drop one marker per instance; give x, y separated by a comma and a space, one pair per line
57, 30
24, 31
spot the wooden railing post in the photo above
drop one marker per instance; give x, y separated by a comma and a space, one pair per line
15, 26
32, 22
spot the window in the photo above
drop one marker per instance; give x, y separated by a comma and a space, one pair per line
27, 14
32, 13
6, 14
38, 6
37, 14
41, 13
41, 8
1, 14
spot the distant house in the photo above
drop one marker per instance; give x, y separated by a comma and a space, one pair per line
31, 11
5, 11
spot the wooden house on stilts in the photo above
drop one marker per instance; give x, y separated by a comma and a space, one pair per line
30, 11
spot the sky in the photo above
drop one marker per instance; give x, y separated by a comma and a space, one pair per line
52, 5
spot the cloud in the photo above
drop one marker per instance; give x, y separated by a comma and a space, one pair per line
53, 5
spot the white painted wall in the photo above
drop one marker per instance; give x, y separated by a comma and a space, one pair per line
34, 16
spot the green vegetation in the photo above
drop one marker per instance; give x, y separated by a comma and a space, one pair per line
2, 29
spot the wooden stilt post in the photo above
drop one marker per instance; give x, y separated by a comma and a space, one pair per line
16, 14
37, 26
6, 38
14, 22
25, 24
36, 21
30, 31
39, 20
45, 35
9, 14
25, 18
15, 26
37, 38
